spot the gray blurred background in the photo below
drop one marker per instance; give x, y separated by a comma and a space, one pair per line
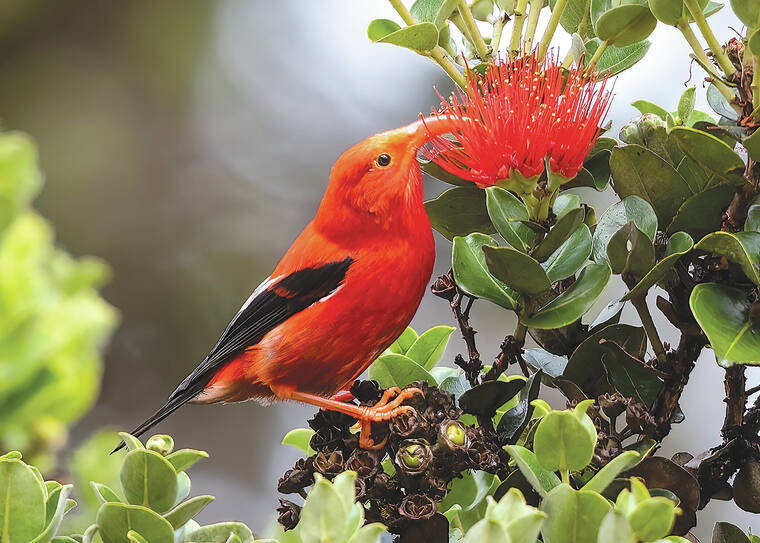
188, 142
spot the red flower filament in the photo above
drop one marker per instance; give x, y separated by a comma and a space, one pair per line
521, 112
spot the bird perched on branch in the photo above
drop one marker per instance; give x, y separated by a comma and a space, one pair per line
344, 291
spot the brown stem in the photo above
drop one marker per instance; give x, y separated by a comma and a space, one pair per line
473, 366
736, 401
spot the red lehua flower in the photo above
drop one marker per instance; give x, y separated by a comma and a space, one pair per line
519, 113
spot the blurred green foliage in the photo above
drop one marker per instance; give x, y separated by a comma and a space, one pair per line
53, 322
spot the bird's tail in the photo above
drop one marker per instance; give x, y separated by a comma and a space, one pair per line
168, 408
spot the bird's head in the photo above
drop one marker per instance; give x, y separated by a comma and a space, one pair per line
380, 175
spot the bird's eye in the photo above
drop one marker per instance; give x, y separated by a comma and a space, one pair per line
383, 160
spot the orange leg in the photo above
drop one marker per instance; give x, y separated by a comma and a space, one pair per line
384, 410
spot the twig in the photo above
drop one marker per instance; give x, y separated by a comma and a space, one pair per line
473, 366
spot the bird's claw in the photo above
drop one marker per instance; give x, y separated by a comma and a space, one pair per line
388, 407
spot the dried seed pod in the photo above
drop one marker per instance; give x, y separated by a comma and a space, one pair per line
364, 463
326, 439
296, 479
417, 506
329, 464
612, 404
452, 435
405, 425
288, 514
366, 391
414, 457
444, 287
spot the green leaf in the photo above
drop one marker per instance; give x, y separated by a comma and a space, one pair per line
701, 213
679, 244
369, 533
513, 422
562, 443
630, 209
574, 516
686, 104
541, 479
611, 470
178, 516
22, 502
572, 18
752, 224
748, 12
434, 170
516, 270
564, 203
506, 211
630, 252
184, 458
429, 347
752, 143
131, 442
134, 537
148, 479
183, 487
560, 232
420, 37
616, 59
323, 517
397, 370
630, 376
486, 531
220, 533
709, 151
58, 508
487, 397
670, 12
742, 248
652, 518
115, 520
720, 104
572, 304
300, 439
521, 521
404, 341
616, 529
103, 493
645, 106
569, 258
638, 171
458, 212
433, 11
725, 314
622, 24
471, 272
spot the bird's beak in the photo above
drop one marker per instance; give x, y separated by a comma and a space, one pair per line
422, 130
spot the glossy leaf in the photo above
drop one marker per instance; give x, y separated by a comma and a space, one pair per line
563, 442
513, 422
521, 521
486, 531
115, 520
433, 11
148, 479
725, 314
103, 493
708, 151
630, 209
574, 16
570, 256
686, 104
184, 458
541, 479
748, 12
678, 245
609, 315
645, 106
752, 224
458, 212
720, 104
404, 341
220, 533
299, 438
630, 252
653, 518
471, 272
506, 211
517, 270
742, 248
616, 59
487, 397
752, 143
397, 370
560, 232
702, 213
616, 529
629, 375
572, 304
420, 37
429, 347
574, 516
551, 364
638, 171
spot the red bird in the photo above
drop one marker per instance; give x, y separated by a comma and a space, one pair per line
344, 291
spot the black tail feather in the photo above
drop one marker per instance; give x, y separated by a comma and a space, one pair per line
168, 408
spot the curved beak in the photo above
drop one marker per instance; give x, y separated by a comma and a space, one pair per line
424, 129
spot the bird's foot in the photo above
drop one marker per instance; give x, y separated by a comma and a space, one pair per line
388, 407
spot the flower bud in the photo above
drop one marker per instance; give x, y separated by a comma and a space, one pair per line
417, 506
648, 123
160, 443
630, 133
329, 463
414, 456
364, 463
288, 514
452, 435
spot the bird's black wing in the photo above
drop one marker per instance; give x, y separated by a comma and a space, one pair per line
270, 305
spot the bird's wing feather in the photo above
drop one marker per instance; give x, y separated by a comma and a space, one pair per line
276, 300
